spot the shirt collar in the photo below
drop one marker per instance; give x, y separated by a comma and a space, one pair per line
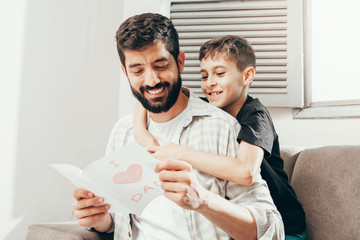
195, 108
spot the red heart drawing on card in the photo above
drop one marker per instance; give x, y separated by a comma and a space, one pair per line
131, 175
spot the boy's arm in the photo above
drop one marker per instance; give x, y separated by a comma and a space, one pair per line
141, 134
180, 185
243, 169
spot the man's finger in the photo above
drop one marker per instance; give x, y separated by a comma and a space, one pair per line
82, 193
173, 196
174, 176
172, 165
87, 212
92, 221
85, 203
174, 187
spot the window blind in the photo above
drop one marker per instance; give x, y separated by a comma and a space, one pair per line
274, 29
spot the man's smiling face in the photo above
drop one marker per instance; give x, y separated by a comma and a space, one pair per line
154, 77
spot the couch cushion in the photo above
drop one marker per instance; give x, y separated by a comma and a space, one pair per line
327, 183
62, 231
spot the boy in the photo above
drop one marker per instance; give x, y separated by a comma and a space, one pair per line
227, 70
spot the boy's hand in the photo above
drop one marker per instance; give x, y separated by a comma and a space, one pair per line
89, 212
167, 151
180, 184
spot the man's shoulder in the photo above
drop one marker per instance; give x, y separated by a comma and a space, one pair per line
123, 127
121, 133
125, 122
211, 112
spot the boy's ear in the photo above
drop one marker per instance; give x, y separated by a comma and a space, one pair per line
249, 74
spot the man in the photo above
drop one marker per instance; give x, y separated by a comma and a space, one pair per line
195, 205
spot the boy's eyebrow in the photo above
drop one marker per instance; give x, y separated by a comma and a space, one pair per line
218, 66
213, 68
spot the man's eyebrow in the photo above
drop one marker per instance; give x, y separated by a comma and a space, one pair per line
163, 59
134, 65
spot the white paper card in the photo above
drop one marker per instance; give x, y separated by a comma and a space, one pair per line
125, 178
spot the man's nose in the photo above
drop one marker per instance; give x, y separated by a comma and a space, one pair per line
151, 79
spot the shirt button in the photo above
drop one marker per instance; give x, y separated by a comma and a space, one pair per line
129, 234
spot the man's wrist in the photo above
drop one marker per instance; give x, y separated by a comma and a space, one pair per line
107, 226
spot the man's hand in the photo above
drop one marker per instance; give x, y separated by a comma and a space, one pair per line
180, 184
89, 212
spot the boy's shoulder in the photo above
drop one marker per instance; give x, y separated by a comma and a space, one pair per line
253, 105
253, 110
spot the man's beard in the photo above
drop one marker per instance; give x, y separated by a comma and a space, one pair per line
155, 105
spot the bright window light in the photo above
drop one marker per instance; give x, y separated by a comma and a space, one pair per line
335, 50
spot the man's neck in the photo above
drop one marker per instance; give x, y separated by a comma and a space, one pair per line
179, 106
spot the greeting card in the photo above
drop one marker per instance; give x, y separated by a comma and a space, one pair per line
125, 178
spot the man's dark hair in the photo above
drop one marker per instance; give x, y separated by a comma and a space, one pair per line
234, 48
142, 30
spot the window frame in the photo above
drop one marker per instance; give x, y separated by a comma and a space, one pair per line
322, 109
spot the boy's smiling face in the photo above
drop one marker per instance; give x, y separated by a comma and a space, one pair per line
222, 83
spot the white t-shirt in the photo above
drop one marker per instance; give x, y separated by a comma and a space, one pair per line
162, 218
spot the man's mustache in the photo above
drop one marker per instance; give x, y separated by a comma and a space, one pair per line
157, 86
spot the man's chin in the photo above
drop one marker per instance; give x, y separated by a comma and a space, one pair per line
157, 108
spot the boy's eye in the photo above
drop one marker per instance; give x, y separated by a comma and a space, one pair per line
220, 74
204, 78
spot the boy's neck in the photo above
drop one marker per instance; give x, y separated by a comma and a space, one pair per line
235, 107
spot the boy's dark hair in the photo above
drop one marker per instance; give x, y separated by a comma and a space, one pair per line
145, 29
234, 48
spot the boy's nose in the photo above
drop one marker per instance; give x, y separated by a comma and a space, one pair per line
211, 82
151, 79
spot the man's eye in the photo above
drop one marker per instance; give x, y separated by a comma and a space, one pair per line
137, 71
204, 78
220, 74
162, 67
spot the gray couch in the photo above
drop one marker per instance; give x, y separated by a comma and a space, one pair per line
326, 180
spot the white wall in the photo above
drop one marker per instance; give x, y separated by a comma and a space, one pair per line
59, 91
314, 132
10, 62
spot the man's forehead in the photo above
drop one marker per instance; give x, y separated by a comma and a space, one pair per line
148, 54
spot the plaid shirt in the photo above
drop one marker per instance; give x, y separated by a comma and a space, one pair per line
208, 129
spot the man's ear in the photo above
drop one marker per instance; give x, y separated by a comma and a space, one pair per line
123, 69
249, 74
181, 61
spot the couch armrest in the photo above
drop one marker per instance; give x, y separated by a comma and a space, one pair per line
290, 154
64, 231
